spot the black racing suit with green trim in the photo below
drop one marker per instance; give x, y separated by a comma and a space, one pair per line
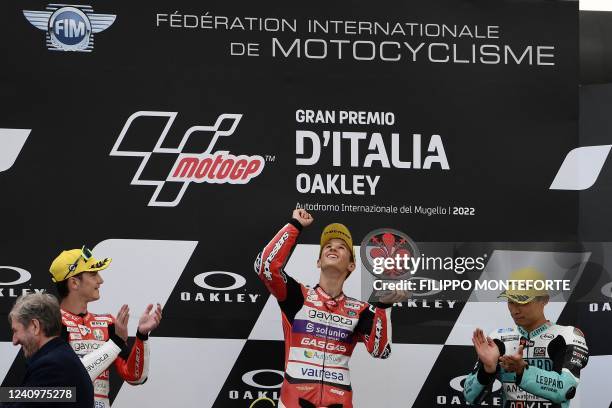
555, 355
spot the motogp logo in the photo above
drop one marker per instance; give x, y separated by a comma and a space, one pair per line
202, 166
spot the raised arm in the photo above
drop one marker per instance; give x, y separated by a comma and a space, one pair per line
270, 262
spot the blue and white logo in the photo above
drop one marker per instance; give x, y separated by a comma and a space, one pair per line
69, 28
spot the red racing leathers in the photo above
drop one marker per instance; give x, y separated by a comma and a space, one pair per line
93, 339
320, 332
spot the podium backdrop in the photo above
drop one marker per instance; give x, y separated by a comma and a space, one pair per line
176, 138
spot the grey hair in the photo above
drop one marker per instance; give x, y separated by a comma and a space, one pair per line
40, 306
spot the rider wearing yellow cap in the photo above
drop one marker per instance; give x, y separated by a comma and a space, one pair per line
321, 324
99, 339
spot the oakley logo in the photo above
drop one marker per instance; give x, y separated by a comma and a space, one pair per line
581, 168
11, 143
249, 378
24, 276
457, 384
205, 166
200, 280
606, 289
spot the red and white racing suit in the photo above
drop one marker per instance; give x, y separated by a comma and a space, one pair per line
93, 338
320, 332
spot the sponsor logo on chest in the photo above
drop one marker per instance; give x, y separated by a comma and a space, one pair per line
333, 319
322, 374
323, 345
85, 346
539, 351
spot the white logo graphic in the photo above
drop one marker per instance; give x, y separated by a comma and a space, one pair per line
455, 384
210, 167
69, 28
239, 280
606, 289
98, 334
11, 143
14, 292
24, 276
229, 296
581, 168
249, 378
143, 271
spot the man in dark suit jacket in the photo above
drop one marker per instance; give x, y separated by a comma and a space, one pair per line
36, 323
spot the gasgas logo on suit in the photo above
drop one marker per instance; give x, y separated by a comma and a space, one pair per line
215, 293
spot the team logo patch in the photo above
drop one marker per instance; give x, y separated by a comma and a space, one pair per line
509, 338
539, 351
98, 334
84, 330
526, 342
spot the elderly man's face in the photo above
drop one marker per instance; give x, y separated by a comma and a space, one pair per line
26, 337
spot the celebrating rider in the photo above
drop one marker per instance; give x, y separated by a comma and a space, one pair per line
322, 325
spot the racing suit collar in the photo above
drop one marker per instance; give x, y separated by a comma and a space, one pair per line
80, 315
539, 330
325, 296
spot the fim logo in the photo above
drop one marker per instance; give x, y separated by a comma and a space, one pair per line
214, 167
69, 28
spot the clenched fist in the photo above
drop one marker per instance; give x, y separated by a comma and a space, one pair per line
303, 217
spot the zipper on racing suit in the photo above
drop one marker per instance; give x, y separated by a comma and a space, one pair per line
326, 341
